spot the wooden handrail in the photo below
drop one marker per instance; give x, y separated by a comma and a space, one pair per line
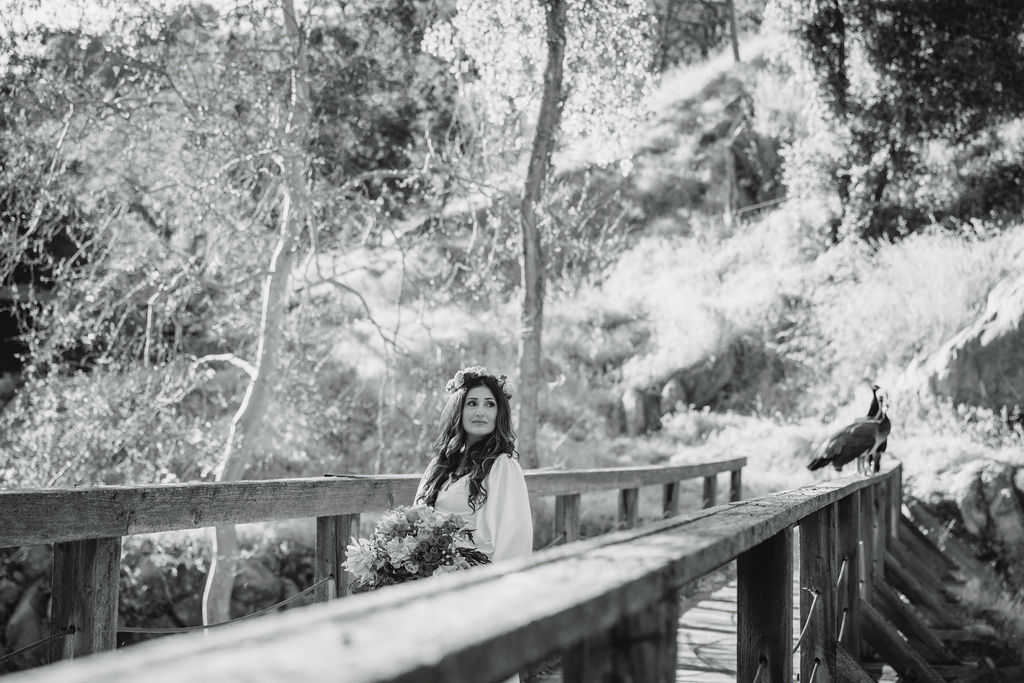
86, 526
486, 624
59, 515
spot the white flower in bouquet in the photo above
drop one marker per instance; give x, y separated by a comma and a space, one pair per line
410, 543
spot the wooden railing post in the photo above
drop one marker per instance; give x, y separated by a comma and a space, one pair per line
670, 500
641, 647
628, 502
867, 569
879, 531
710, 490
567, 517
332, 536
84, 597
736, 485
895, 502
818, 571
765, 611
848, 603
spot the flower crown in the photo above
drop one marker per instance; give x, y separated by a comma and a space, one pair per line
475, 372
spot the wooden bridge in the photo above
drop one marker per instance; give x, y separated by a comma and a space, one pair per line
608, 608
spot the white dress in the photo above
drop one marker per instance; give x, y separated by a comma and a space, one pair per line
503, 526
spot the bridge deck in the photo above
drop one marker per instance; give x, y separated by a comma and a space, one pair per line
707, 635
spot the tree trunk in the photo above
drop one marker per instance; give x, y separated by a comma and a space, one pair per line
247, 422
532, 264
731, 8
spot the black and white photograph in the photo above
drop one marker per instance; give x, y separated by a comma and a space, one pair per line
511, 341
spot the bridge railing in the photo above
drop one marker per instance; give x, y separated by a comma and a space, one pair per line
609, 605
86, 525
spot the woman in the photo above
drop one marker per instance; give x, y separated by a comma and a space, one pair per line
475, 473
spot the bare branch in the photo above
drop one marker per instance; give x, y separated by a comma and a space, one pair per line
245, 365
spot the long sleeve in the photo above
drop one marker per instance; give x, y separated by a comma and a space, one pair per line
505, 517
423, 481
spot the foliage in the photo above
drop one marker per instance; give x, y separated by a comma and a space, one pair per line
607, 43
875, 309
689, 32
891, 77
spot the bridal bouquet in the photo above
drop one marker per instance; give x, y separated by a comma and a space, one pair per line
410, 543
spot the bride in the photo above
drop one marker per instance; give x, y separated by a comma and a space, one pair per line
475, 472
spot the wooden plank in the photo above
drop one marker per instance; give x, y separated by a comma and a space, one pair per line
893, 649
764, 611
34, 517
848, 592
932, 605
567, 517
895, 502
670, 500
84, 597
484, 623
916, 539
736, 485
333, 534
848, 668
867, 530
628, 507
923, 572
58, 515
710, 491
900, 615
641, 647
878, 535
818, 571
554, 482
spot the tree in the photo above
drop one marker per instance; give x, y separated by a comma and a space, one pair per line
897, 76
532, 256
595, 92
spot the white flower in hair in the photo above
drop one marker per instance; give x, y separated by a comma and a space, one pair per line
474, 372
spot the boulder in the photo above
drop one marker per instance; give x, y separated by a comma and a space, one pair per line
733, 376
29, 624
36, 561
990, 508
642, 411
673, 396
983, 365
255, 584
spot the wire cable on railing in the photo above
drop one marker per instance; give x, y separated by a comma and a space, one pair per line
41, 641
842, 625
810, 679
187, 629
842, 571
760, 669
810, 613
560, 538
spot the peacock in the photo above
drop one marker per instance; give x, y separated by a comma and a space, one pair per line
864, 438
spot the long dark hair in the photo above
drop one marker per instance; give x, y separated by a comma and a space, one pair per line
454, 454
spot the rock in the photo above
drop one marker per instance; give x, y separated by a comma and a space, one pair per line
255, 584
990, 508
28, 624
673, 396
289, 588
188, 609
983, 365
642, 411
36, 561
9, 592
735, 375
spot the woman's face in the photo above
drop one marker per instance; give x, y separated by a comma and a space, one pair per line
479, 413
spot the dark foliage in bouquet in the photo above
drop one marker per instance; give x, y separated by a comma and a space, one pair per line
410, 543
